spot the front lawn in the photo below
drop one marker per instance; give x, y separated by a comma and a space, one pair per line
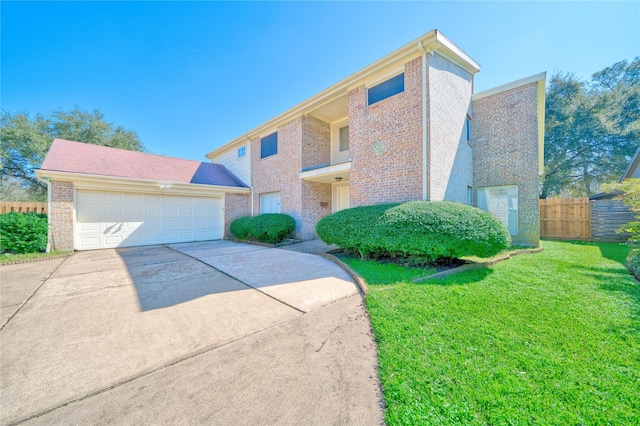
548, 338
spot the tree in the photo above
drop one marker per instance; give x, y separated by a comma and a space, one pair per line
24, 142
591, 129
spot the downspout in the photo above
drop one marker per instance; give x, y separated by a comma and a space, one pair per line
425, 126
48, 182
250, 171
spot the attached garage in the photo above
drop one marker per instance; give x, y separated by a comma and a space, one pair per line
102, 197
107, 219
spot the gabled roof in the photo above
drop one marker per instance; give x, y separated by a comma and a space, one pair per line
633, 166
83, 158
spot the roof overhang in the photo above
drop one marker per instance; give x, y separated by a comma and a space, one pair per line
114, 183
328, 174
633, 165
540, 81
433, 41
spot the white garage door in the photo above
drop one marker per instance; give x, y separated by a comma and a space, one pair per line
121, 219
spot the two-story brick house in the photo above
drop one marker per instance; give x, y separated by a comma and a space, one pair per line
407, 127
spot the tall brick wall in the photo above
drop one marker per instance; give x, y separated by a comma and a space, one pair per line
386, 143
235, 206
316, 204
316, 140
505, 138
61, 215
279, 172
451, 157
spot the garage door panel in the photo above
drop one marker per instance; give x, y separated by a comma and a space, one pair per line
106, 219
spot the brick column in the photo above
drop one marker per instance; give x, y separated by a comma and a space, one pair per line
61, 215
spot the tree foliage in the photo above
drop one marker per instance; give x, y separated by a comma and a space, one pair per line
591, 129
25, 141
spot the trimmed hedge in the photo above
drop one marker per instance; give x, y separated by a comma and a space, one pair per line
633, 262
269, 228
424, 231
240, 227
23, 232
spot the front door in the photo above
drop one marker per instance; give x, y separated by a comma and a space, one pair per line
343, 198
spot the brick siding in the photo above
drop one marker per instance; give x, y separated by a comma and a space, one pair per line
505, 139
451, 157
386, 143
316, 139
235, 206
61, 215
316, 204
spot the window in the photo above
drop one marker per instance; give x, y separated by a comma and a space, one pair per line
344, 138
502, 202
385, 89
270, 202
469, 195
269, 145
242, 151
468, 128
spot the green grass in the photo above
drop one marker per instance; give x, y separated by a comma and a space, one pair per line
549, 338
8, 258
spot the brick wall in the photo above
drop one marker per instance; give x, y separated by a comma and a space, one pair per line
386, 143
451, 157
235, 206
316, 140
316, 204
61, 215
279, 172
505, 138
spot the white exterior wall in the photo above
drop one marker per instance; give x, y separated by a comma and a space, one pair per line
338, 156
240, 167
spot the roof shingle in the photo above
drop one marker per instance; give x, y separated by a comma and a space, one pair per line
84, 158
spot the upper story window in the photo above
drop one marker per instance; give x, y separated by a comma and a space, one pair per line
269, 145
344, 138
242, 151
467, 126
385, 89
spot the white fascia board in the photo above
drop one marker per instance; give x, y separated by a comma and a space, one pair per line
325, 170
433, 40
514, 84
114, 183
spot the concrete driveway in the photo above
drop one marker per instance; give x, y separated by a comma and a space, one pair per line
214, 332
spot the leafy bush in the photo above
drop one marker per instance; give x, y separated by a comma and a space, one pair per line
633, 262
23, 232
425, 231
240, 227
271, 227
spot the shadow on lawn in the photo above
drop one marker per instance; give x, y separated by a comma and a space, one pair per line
462, 278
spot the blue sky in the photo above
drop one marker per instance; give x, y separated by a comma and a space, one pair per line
191, 76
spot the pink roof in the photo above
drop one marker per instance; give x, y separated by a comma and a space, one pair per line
84, 158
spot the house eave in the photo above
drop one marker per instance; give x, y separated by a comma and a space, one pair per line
115, 183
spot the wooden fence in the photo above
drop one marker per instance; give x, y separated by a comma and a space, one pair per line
565, 218
607, 216
22, 207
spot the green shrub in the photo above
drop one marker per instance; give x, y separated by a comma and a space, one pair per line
23, 232
633, 262
240, 227
271, 227
420, 230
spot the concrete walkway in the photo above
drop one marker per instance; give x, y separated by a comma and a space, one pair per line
214, 332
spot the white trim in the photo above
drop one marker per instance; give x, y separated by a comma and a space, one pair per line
508, 86
325, 170
114, 183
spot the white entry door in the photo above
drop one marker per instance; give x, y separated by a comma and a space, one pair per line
343, 198
121, 219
